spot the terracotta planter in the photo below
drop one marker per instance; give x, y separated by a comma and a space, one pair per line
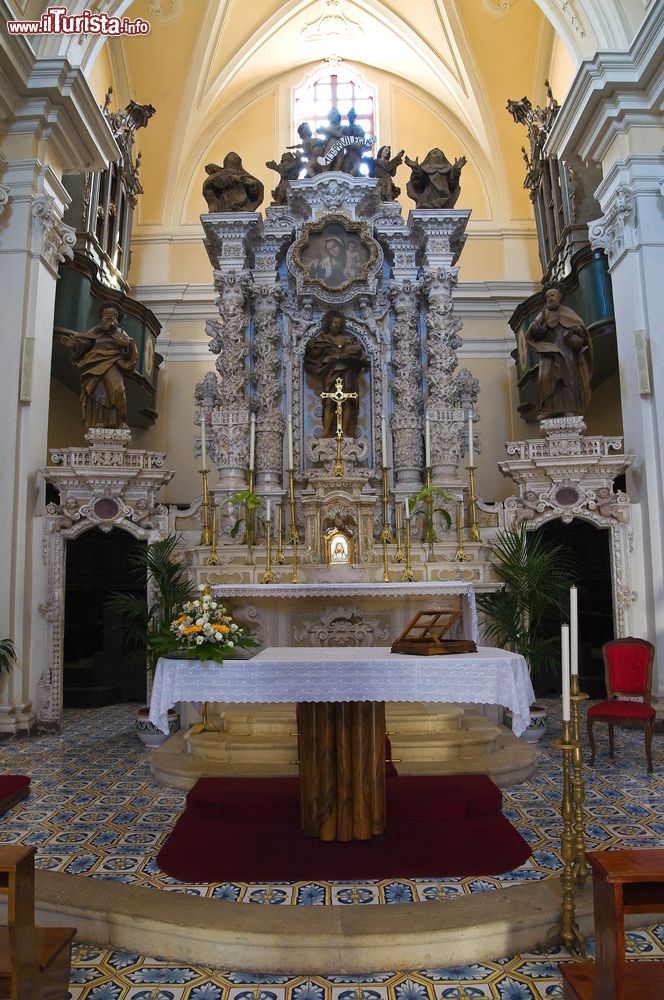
149, 734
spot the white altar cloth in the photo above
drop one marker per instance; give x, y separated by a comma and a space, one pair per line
347, 592
295, 673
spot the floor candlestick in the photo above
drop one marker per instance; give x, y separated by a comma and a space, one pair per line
578, 785
567, 930
292, 535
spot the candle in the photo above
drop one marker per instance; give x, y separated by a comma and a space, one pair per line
427, 442
471, 456
269, 511
407, 509
574, 630
203, 447
291, 463
383, 439
252, 441
564, 665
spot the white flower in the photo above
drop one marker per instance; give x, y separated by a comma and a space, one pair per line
233, 628
201, 586
196, 604
199, 640
214, 604
230, 643
200, 621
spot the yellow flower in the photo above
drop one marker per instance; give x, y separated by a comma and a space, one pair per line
178, 621
192, 629
221, 628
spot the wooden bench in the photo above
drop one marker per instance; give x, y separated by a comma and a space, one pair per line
35, 962
628, 881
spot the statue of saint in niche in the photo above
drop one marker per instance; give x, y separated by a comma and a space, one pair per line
434, 183
103, 354
384, 168
565, 352
230, 188
331, 355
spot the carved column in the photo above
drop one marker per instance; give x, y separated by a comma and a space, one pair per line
406, 385
267, 379
230, 421
443, 235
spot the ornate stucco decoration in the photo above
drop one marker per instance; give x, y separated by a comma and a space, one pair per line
4, 198
106, 485
332, 25
566, 475
616, 230
54, 237
334, 192
164, 10
340, 627
497, 8
572, 16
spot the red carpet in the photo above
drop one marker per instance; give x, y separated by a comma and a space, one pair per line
247, 830
13, 788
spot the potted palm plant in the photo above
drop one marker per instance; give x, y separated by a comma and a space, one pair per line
146, 620
535, 577
7, 656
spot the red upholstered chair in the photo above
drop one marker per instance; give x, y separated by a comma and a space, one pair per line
628, 674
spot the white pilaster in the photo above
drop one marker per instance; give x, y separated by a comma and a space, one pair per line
50, 124
632, 234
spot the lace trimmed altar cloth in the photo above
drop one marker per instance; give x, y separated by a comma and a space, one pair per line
290, 614
293, 673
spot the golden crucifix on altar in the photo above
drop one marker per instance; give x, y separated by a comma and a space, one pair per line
339, 397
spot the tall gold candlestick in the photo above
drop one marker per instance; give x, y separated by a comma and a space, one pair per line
460, 553
398, 557
294, 577
386, 534
293, 536
567, 930
474, 528
213, 558
578, 787
431, 535
268, 575
205, 532
280, 558
407, 576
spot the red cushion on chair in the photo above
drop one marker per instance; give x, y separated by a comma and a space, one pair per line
628, 666
621, 709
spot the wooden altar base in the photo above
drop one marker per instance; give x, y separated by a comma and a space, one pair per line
342, 769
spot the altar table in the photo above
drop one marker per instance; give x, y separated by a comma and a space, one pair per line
297, 674
341, 694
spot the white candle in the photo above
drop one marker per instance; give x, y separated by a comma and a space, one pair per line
252, 441
407, 509
471, 455
291, 463
564, 666
269, 512
383, 438
574, 630
427, 442
203, 447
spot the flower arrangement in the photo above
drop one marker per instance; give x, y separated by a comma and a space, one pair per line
202, 630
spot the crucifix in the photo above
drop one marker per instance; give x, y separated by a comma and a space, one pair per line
339, 397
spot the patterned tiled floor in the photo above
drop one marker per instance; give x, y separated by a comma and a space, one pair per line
95, 810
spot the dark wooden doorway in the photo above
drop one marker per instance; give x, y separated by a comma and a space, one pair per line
98, 668
589, 550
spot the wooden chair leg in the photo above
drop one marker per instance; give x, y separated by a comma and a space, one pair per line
648, 734
591, 740
611, 747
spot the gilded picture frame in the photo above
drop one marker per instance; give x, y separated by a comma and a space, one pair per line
335, 254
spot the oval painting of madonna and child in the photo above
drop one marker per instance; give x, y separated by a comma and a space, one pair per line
335, 257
